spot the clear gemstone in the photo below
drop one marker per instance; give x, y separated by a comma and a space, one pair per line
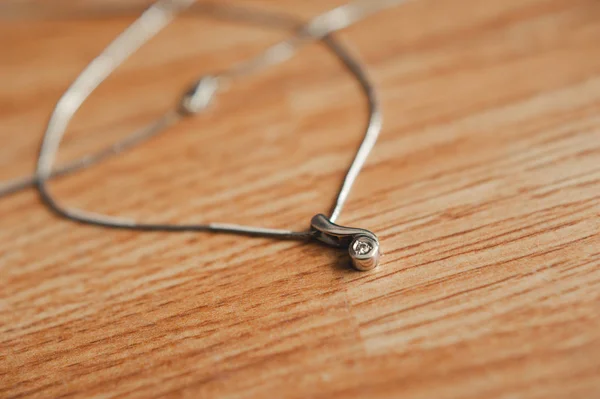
361, 247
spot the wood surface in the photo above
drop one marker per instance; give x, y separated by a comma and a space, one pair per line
484, 190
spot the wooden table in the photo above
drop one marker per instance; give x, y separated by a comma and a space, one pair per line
484, 190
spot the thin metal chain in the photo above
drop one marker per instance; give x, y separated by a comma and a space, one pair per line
227, 12
132, 140
145, 27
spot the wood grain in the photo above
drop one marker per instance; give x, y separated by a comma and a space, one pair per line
484, 190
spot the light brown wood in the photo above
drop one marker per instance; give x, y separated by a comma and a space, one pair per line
484, 190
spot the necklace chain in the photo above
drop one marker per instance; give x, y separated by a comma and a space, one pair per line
195, 100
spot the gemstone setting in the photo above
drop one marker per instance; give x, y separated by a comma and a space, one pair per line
362, 247
364, 252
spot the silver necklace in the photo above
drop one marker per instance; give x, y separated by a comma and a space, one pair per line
362, 245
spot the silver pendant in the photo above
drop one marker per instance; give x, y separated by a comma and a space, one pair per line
363, 245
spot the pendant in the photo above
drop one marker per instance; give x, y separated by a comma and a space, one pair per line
363, 245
